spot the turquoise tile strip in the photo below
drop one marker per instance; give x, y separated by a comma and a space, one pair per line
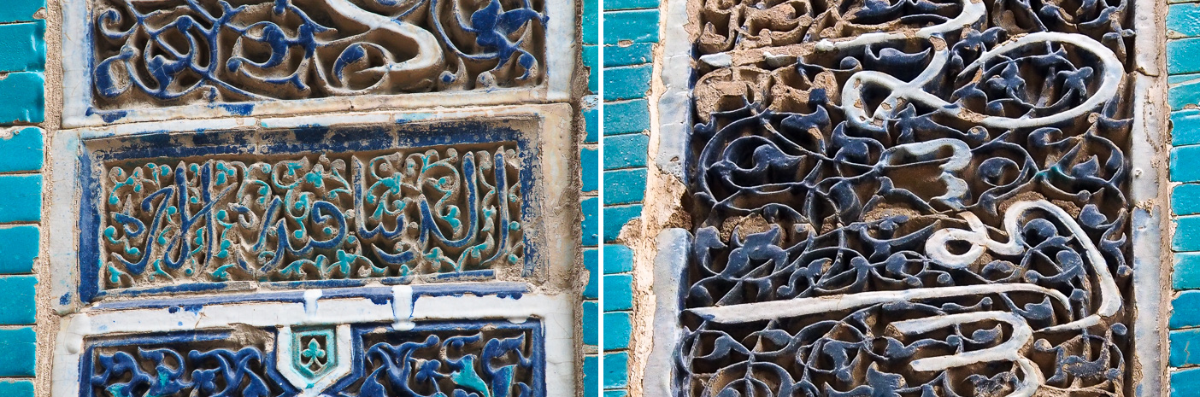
589, 161
23, 64
631, 34
1182, 30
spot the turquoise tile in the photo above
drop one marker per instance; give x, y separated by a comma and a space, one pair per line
628, 151
16, 388
626, 117
20, 10
590, 22
591, 118
1182, 344
22, 198
1185, 127
618, 292
1182, 20
627, 82
20, 304
615, 393
591, 262
1185, 199
632, 54
624, 186
20, 352
590, 55
22, 150
618, 328
591, 324
633, 26
1183, 90
24, 47
589, 164
1185, 310
616, 217
1181, 56
1184, 383
591, 221
1187, 234
611, 5
24, 98
616, 370
1185, 164
18, 249
591, 376
1186, 272
617, 259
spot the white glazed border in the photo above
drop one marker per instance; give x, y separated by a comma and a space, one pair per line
1150, 230
562, 50
553, 144
555, 311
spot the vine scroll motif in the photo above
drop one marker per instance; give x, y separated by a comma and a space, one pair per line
180, 51
909, 198
403, 214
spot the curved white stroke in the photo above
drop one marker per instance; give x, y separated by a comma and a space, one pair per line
1009, 350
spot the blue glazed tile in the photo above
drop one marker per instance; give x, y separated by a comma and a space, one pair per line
591, 376
591, 119
20, 10
1184, 383
628, 151
618, 328
633, 54
1181, 56
22, 198
24, 47
1185, 164
611, 5
626, 117
617, 259
591, 324
1185, 127
24, 98
591, 221
591, 60
634, 26
591, 262
1187, 234
1182, 344
615, 393
1185, 310
589, 162
1185, 199
20, 304
616, 370
1182, 20
1183, 90
16, 388
627, 82
590, 22
624, 186
20, 352
1186, 272
616, 217
618, 292
18, 249
22, 150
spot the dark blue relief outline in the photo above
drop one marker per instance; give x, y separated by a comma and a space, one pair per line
299, 140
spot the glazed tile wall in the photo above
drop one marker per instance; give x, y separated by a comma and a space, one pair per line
631, 33
22, 66
589, 165
1183, 94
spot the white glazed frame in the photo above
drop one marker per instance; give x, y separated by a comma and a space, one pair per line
556, 312
1148, 196
562, 50
553, 143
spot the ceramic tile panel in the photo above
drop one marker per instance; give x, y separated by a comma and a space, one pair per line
925, 198
128, 60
